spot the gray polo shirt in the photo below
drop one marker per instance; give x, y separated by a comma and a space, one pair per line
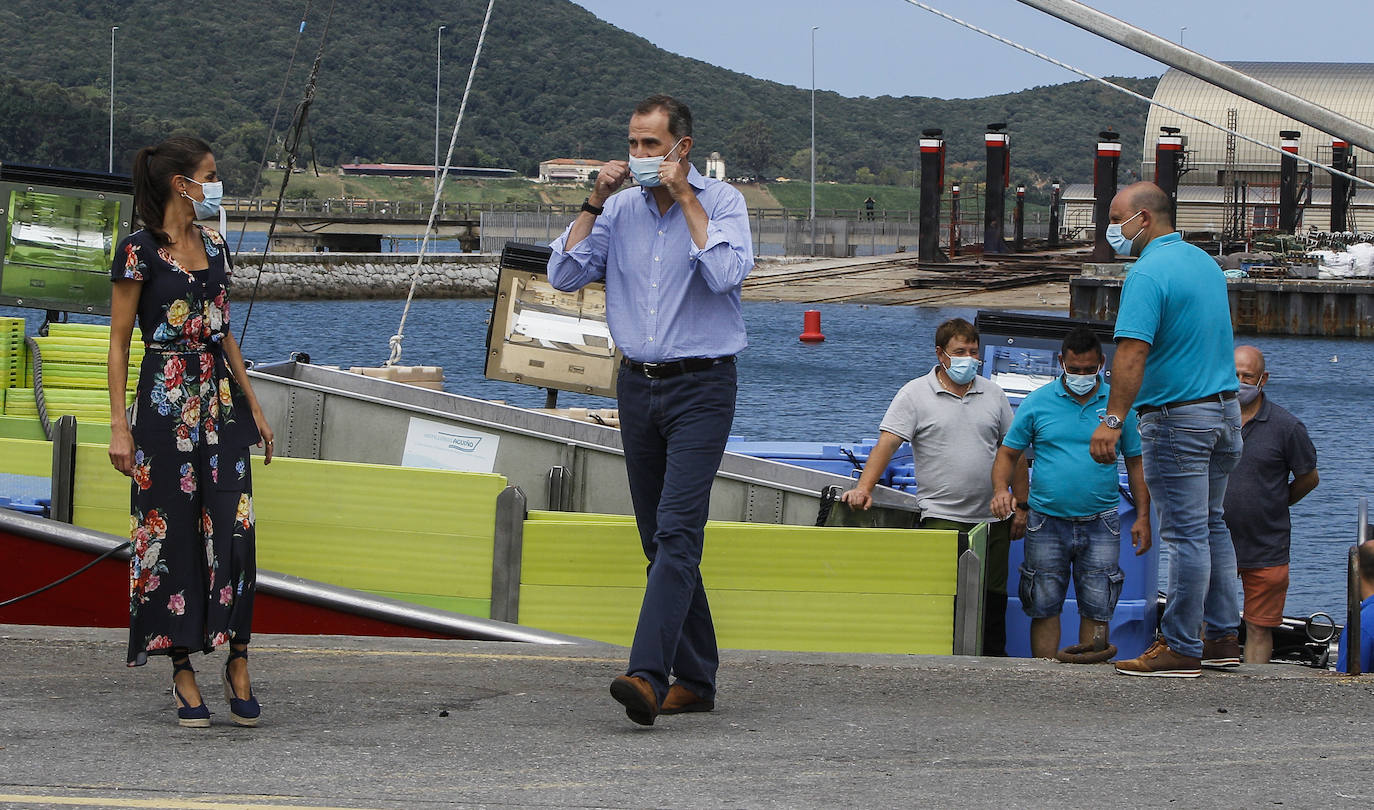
1276, 446
954, 440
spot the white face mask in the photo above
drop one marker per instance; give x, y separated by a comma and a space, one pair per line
645, 169
1118, 240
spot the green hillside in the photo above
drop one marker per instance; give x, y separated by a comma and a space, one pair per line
554, 81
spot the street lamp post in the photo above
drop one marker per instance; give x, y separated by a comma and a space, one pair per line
110, 167
1180, 33
438, 62
812, 217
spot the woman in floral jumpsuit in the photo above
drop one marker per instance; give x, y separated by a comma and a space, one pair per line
185, 442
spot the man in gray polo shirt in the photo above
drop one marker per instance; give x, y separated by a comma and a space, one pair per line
1257, 500
955, 421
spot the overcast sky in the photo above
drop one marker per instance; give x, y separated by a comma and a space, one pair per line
889, 47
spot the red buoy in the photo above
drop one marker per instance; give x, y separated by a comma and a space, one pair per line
811, 326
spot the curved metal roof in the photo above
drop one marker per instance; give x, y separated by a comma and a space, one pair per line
1345, 88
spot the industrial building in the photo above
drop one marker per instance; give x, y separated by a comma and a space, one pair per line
1231, 186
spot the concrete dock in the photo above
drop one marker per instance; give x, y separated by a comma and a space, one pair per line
401, 723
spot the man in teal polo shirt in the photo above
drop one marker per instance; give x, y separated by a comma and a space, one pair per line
1174, 364
1072, 520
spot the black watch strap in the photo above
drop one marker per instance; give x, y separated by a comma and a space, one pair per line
592, 209
1023, 506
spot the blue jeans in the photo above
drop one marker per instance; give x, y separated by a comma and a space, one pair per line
1091, 545
674, 432
1189, 453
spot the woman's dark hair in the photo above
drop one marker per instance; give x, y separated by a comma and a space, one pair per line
154, 168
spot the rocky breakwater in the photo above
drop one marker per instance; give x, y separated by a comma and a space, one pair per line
293, 276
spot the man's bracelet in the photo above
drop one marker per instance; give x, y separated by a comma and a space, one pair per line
594, 210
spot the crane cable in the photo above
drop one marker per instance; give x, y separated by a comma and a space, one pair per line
1085, 74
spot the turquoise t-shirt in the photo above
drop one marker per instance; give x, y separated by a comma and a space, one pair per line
1175, 300
1065, 481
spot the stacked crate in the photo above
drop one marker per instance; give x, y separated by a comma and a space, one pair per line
11, 357
74, 374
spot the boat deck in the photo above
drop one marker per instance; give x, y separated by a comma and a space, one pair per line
404, 723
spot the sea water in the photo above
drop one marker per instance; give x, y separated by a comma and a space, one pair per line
837, 391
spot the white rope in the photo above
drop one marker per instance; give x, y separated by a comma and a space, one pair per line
1134, 94
396, 339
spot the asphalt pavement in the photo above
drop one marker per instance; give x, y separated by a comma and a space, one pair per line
353, 722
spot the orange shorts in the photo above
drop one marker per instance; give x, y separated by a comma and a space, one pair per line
1265, 589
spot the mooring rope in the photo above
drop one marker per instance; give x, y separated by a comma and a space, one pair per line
396, 339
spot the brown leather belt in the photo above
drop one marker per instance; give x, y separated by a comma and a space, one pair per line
672, 368
1218, 397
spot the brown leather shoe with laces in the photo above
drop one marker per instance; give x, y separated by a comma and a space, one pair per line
1221, 653
681, 700
638, 698
1161, 662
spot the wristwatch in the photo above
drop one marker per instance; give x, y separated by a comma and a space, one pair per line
1112, 421
595, 210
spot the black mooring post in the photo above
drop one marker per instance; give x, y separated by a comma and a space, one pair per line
1104, 189
1341, 161
1019, 220
954, 220
994, 194
1168, 165
932, 185
1054, 215
1288, 181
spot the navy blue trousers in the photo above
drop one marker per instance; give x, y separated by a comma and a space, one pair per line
674, 432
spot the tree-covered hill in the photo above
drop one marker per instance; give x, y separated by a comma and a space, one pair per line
554, 81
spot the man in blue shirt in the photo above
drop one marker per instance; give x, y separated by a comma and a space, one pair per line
673, 254
1174, 364
1072, 519
1366, 556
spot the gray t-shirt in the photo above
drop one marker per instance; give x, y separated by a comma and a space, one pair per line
1276, 445
953, 442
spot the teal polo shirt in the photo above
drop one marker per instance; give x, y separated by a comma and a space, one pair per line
1065, 481
1175, 300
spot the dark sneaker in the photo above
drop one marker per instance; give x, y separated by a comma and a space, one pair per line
1161, 662
1221, 653
681, 700
637, 696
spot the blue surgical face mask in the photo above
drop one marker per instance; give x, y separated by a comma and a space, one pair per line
1248, 393
1118, 240
645, 169
962, 370
1079, 384
210, 206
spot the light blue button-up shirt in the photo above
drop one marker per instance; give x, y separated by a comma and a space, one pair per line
666, 299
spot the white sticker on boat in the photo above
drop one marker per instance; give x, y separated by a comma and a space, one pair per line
441, 446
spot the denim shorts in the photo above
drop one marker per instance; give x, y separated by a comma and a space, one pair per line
1091, 546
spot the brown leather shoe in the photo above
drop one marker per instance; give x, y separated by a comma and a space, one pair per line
1221, 653
637, 696
1161, 662
681, 700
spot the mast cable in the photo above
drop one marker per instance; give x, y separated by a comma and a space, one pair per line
1085, 74
267, 147
396, 339
293, 142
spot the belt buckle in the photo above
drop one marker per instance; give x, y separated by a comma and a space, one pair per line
651, 370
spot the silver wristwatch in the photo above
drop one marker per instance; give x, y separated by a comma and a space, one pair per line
1112, 421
